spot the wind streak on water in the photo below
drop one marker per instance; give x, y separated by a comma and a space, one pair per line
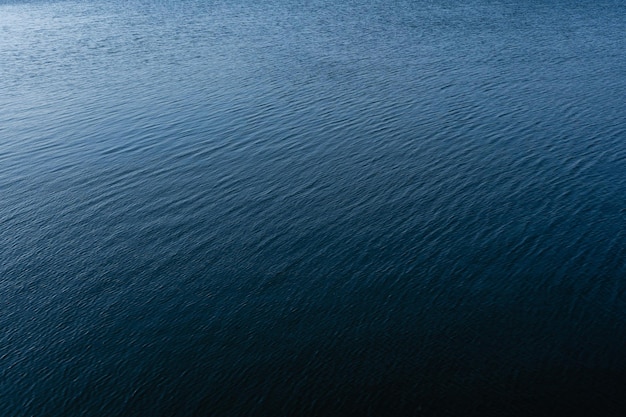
280, 208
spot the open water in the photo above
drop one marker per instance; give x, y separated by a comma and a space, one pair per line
328, 208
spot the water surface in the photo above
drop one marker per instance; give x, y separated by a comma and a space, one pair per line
233, 208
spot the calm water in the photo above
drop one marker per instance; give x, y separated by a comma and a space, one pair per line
280, 208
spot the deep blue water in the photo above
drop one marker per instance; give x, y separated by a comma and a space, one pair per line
283, 207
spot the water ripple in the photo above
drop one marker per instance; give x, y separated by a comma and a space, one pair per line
286, 207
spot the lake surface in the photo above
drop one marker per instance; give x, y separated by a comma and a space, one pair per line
283, 207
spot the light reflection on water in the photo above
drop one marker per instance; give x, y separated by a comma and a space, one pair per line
278, 208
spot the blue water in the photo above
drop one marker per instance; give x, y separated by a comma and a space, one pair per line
284, 207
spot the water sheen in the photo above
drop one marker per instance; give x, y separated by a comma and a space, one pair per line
285, 207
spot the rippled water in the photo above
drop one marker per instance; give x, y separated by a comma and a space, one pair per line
229, 208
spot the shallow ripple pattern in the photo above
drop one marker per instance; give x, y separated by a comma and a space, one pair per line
310, 208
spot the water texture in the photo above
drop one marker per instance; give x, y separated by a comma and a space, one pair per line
283, 207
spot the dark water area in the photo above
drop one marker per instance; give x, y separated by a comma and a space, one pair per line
282, 208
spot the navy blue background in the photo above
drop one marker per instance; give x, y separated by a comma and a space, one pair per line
312, 208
